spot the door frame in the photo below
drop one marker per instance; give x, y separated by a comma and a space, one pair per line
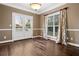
13, 25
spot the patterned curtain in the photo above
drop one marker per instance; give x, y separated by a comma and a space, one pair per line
62, 32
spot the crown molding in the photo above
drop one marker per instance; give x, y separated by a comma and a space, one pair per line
52, 7
13, 6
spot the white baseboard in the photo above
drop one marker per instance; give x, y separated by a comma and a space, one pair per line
27, 38
7, 41
37, 36
17, 39
57, 41
73, 44
49, 38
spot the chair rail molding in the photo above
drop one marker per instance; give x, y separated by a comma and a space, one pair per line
72, 29
5, 29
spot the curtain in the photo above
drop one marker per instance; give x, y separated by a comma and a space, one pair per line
62, 32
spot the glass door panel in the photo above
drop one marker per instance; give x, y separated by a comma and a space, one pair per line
52, 23
50, 26
18, 23
27, 25
56, 18
56, 31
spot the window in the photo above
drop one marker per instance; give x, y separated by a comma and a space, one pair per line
52, 24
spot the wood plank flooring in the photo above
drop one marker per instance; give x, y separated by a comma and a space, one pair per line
37, 47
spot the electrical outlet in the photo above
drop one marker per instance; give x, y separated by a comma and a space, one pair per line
71, 38
10, 25
5, 37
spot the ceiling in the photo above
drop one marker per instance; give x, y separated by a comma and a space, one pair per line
26, 6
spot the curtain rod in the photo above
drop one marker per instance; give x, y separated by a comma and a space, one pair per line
57, 11
51, 12
64, 8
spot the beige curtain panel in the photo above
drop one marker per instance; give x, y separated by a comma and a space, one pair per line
62, 33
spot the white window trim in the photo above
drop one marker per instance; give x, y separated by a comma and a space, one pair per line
45, 29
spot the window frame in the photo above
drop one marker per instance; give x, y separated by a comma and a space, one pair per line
46, 18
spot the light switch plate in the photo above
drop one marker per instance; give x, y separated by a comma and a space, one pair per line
4, 37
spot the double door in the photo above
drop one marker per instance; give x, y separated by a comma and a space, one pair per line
22, 26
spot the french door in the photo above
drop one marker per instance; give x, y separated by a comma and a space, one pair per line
22, 26
51, 26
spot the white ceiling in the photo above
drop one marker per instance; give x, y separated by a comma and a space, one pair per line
26, 6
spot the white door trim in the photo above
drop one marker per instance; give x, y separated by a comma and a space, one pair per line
13, 25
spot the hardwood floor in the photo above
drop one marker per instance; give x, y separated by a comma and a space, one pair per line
37, 47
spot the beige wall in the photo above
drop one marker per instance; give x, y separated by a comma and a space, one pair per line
37, 25
38, 21
6, 18
73, 19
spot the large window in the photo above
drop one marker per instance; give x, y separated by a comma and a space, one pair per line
52, 24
